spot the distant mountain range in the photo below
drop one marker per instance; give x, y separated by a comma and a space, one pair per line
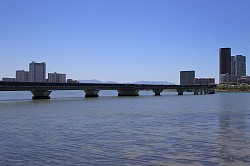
153, 82
97, 81
137, 82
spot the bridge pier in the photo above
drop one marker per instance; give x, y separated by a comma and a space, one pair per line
211, 91
180, 91
41, 94
157, 92
91, 93
128, 92
196, 92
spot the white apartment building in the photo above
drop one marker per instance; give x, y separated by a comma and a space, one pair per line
37, 72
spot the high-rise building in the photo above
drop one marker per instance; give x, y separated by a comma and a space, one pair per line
37, 72
187, 77
22, 76
233, 72
62, 78
225, 61
56, 78
231, 67
240, 66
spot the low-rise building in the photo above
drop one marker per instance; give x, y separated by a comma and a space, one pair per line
244, 80
204, 81
71, 81
228, 79
56, 78
8, 79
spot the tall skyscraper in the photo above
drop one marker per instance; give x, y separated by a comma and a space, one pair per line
187, 77
231, 67
233, 72
240, 66
37, 72
225, 62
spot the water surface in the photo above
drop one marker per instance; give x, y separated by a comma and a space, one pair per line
69, 129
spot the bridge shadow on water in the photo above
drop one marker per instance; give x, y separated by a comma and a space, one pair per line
76, 95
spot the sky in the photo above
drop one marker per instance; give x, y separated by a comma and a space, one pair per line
122, 40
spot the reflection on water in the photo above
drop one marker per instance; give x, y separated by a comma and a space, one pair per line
233, 138
111, 130
234, 129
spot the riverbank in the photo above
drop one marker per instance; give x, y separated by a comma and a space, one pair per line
217, 90
232, 88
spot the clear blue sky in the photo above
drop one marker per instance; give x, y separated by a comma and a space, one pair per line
122, 40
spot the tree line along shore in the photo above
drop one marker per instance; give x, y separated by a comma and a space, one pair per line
232, 88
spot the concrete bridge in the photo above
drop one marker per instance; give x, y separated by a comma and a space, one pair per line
43, 90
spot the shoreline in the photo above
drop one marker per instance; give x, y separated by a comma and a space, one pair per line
230, 91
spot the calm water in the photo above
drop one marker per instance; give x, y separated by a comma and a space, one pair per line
147, 130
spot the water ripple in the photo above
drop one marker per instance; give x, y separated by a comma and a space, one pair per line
169, 130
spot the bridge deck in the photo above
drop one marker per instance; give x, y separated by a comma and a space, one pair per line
43, 90
30, 86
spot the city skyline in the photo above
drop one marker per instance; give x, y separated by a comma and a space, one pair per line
37, 73
122, 41
232, 68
